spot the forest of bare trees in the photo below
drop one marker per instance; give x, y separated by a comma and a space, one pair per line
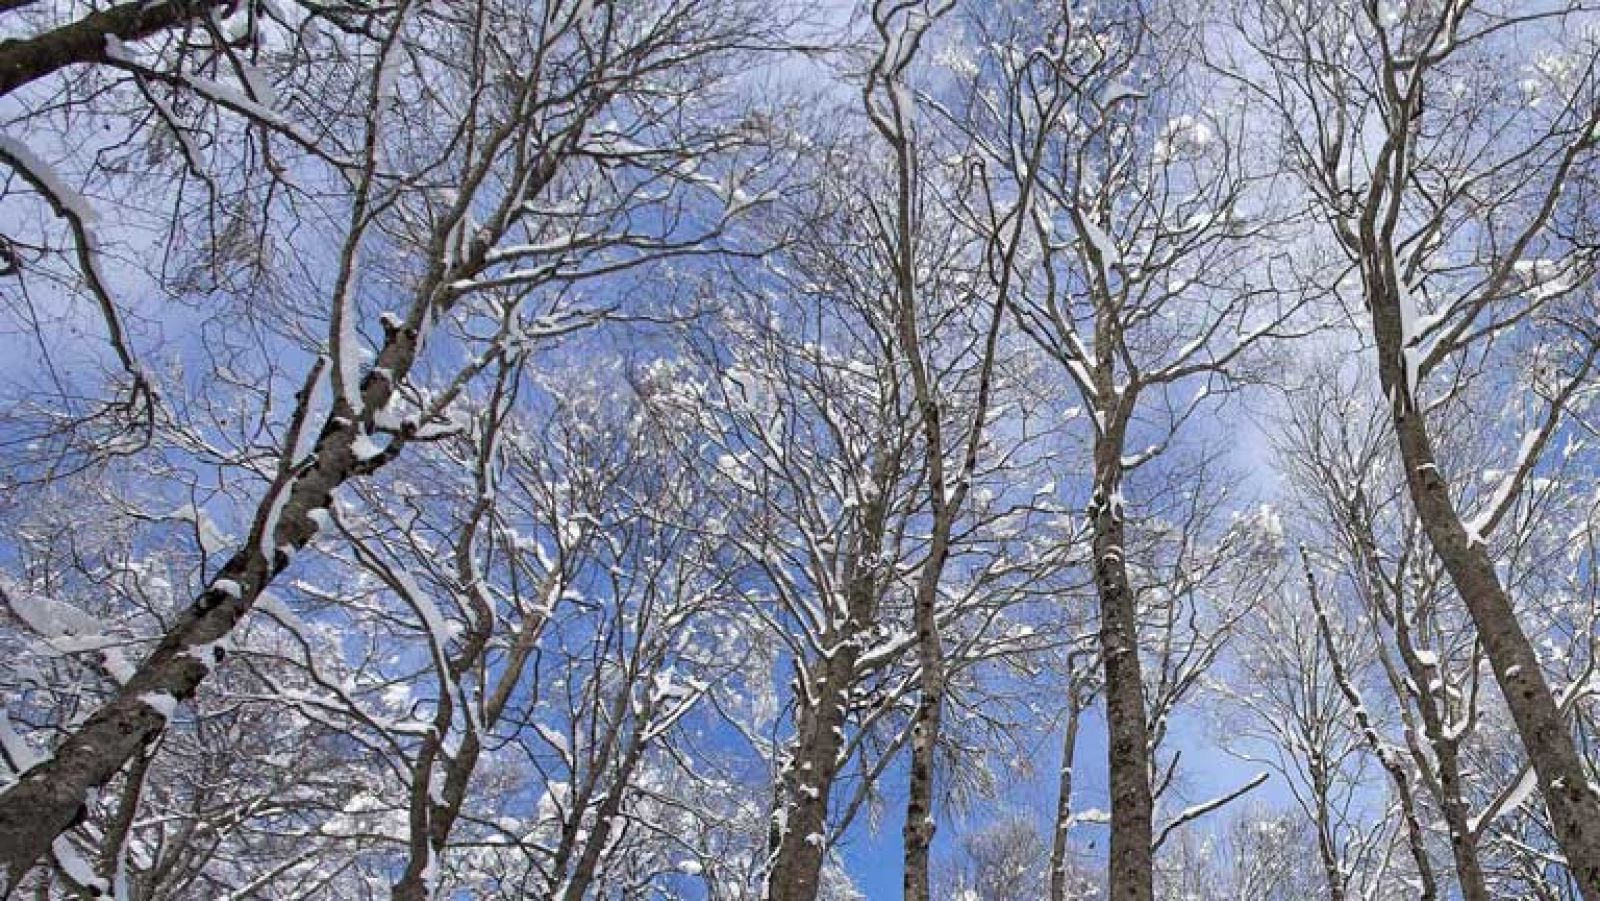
747, 450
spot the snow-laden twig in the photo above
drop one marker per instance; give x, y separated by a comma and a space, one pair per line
1197, 811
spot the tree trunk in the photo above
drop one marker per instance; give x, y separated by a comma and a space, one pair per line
1327, 845
1463, 844
115, 844
920, 825
1399, 775
1573, 806
799, 831
1131, 862
1063, 825
1443, 777
49, 798
583, 875
416, 880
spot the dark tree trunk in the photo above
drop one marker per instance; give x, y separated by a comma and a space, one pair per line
1463, 844
1327, 845
25, 60
1131, 861
798, 843
588, 866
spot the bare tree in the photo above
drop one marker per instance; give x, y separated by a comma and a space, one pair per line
579, 449
803, 439
902, 29
1441, 215
516, 147
1002, 862
1140, 285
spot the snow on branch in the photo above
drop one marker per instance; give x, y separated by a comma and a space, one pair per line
1199, 810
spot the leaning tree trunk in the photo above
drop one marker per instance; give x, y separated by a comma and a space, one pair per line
47, 799
1573, 805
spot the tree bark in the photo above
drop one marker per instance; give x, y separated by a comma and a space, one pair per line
1463, 844
1131, 862
1063, 824
1327, 845
25, 60
1563, 781
920, 824
49, 798
799, 840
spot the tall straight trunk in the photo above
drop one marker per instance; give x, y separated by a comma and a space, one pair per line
1131, 865
945, 501
1063, 824
1573, 804
917, 833
920, 824
797, 840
